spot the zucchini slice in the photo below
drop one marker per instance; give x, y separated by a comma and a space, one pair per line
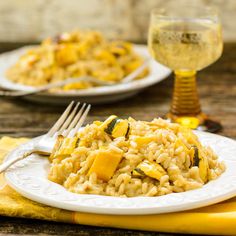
118, 128
107, 122
137, 172
150, 169
200, 160
203, 168
194, 155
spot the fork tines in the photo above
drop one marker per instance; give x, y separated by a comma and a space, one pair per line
71, 120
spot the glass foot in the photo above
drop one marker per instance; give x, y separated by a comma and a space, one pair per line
210, 126
200, 122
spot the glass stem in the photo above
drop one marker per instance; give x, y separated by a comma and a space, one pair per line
185, 100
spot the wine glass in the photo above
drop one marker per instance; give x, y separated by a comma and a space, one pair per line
186, 41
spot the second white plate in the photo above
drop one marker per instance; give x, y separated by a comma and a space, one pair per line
105, 94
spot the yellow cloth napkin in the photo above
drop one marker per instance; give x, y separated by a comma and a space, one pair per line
219, 219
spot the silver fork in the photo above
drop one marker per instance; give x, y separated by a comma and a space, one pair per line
67, 125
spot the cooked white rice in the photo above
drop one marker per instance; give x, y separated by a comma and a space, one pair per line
167, 149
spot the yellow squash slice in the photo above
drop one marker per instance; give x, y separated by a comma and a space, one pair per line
67, 147
142, 141
105, 164
179, 143
56, 147
97, 122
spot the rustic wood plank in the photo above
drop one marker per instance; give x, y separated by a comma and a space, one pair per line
16, 226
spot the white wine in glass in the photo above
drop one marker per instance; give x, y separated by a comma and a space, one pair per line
186, 43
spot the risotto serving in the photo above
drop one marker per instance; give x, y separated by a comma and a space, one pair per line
125, 157
76, 54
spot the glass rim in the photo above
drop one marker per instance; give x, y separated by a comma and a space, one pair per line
204, 11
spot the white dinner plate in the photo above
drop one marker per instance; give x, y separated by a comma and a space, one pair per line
103, 94
29, 178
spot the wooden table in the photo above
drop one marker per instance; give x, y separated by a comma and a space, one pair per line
217, 89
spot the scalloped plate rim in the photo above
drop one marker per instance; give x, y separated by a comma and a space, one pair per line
96, 205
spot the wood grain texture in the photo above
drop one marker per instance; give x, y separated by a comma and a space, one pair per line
217, 89
15, 226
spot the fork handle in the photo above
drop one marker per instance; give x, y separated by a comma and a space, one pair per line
12, 161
